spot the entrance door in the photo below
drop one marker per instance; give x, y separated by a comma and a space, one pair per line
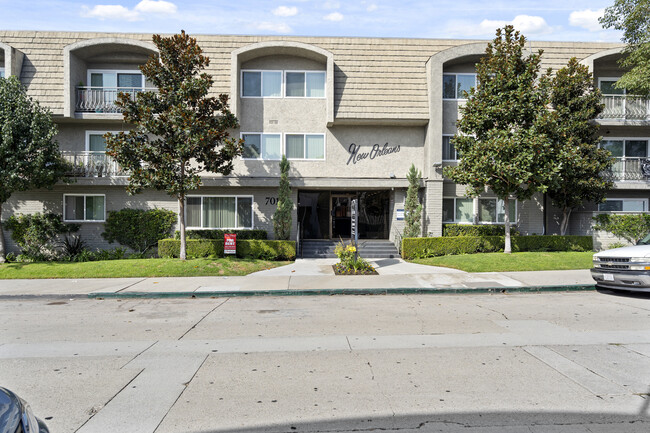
342, 215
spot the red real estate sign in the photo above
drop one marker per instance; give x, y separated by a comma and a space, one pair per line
229, 243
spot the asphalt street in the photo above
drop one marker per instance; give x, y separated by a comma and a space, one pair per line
549, 362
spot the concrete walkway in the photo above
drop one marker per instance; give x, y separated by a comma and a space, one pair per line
308, 277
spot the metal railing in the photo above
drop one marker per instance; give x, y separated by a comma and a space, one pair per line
629, 169
92, 164
625, 107
102, 99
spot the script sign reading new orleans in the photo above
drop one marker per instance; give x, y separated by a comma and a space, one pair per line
356, 155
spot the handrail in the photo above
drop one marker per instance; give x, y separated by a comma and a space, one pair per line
626, 107
629, 168
91, 164
92, 99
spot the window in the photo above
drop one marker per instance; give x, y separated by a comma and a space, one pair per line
458, 210
116, 79
606, 86
454, 85
626, 148
624, 205
267, 84
492, 210
81, 207
305, 146
219, 212
262, 146
449, 152
2, 72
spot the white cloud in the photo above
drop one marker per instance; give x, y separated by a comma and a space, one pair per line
119, 12
331, 5
524, 23
587, 19
156, 7
285, 11
110, 12
334, 16
371, 8
273, 27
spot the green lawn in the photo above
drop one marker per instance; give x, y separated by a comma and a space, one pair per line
500, 262
137, 268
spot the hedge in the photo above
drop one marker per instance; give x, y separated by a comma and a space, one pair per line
476, 230
249, 249
217, 234
416, 248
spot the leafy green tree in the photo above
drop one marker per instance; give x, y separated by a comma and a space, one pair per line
179, 131
631, 16
501, 132
412, 206
36, 234
282, 215
29, 155
576, 154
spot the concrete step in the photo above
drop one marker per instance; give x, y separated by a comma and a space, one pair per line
369, 249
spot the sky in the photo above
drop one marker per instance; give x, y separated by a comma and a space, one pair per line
549, 20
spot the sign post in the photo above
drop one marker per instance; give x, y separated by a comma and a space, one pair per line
354, 226
229, 243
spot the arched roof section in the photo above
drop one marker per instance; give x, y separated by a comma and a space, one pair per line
282, 48
109, 50
13, 60
589, 61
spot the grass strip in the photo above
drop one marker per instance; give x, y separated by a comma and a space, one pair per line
500, 262
137, 268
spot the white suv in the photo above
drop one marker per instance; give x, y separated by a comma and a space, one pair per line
626, 268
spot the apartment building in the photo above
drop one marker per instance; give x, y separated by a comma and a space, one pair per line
350, 114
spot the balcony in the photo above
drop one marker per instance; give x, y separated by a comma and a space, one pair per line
625, 107
102, 99
629, 169
92, 164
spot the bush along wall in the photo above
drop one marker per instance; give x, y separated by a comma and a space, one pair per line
417, 248
217, 234
476, 230
247, 249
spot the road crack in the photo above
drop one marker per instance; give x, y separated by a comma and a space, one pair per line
201, 319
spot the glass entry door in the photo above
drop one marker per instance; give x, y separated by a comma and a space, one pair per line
342, 215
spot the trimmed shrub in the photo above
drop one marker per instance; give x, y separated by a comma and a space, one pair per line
631, 227
138, 229
217, 234
36, 234
249, 249
416, 248
477, 230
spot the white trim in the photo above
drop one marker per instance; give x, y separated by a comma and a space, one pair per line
478, 213
644, 200
304, 134
305, 72
89, 133
624, 139
236, 197
456, 74
84, 196
455, 220
610, 79
241, 80
241, 135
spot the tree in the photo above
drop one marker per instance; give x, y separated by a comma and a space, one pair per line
632, 228
631, 16
179, 132
579, 159
501, 132
29, 155
412, 206
282, 215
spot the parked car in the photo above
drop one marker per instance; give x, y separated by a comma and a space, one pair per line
16, 416
626, 268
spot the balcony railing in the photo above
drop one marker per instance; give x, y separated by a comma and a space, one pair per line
92, 164
629, 169
625, 107
102, 99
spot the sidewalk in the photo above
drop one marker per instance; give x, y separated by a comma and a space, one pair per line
308, 277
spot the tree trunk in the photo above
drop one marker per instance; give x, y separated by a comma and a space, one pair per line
2, 239
181, 221
566, 213
507, 248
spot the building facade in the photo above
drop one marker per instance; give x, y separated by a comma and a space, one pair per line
350, 114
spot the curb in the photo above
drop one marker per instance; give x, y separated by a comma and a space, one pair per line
332, 292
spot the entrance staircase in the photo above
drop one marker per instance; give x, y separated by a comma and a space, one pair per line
368, 249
